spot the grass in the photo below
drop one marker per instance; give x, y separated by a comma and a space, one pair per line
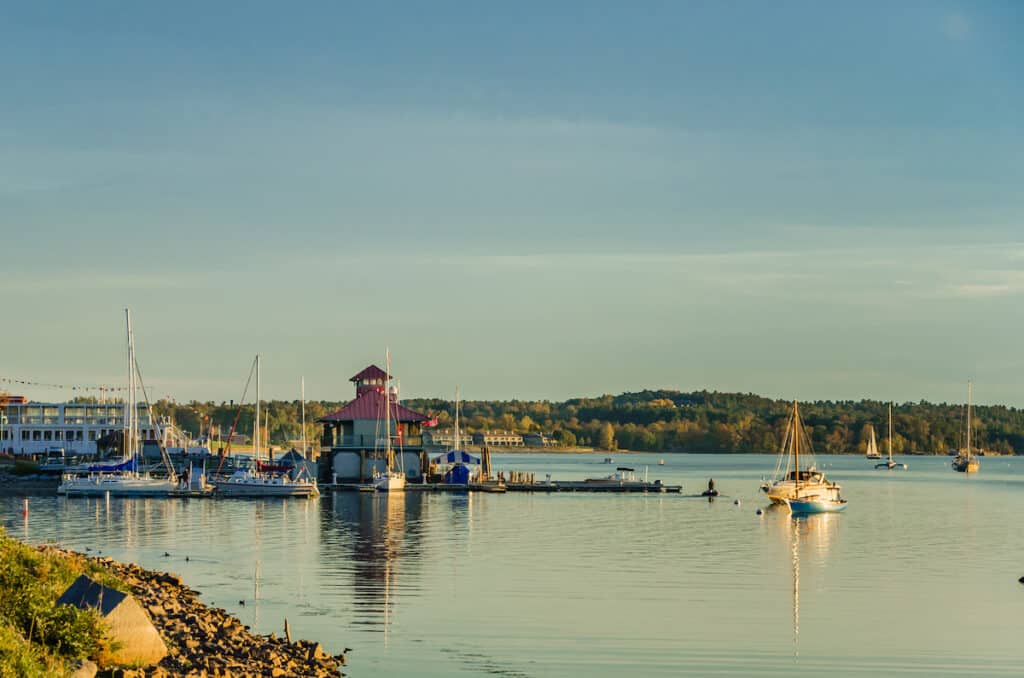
38, 638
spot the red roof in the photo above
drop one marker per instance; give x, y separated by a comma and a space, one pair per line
371, 372
370, 405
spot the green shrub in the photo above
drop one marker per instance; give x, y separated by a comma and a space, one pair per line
30, 583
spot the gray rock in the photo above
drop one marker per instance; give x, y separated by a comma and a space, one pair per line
83, 668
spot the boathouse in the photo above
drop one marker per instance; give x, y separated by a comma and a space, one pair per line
353, 440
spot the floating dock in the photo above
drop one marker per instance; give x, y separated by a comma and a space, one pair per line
641, 487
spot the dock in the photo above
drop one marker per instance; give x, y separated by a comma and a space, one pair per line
637, 487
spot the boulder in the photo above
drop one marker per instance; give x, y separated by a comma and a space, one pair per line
133, 638
83, 669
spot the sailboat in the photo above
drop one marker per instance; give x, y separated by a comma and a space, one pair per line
252, 481
392, 478
872, 451
890, 464
791, 484
967, 461
124, 478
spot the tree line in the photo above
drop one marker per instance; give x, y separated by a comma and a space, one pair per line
664, 421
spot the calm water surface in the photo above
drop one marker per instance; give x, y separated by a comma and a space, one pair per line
918, 577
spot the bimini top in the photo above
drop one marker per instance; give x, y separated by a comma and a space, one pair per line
456, 457
370, 405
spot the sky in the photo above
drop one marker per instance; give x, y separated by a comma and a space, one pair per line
527, 200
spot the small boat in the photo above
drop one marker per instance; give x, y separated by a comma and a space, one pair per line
661, 462
789, 481
966, 461
815, 505
608, 460
889, 464
622, 476
872, 451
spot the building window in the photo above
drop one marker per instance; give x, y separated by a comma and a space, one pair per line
57, 435
47, 435
37, 435
78, 434
69, 435
24, 435
92, 435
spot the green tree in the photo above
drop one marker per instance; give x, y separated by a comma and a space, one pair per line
606, 437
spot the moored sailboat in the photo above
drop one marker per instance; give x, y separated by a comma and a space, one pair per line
392, 478
889, 464
790, 481
260, 480
966, 461
123, 478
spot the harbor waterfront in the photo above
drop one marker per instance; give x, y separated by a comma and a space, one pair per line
539, 584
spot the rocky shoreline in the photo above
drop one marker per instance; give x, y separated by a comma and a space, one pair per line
207, 642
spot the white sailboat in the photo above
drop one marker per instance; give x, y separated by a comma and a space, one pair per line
392, 478
254, 482
967, 461
872, 451
889, 464
123, 479
790, 482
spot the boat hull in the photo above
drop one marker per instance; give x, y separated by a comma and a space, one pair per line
782, 491
117, 487
254, 490
891, 466
809, 506
390, 483
966, 466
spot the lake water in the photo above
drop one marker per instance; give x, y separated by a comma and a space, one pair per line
917, 577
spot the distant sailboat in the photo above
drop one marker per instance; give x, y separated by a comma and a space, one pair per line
967, 461
890, 464
872, 451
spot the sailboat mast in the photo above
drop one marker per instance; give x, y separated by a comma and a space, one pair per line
129, 403
302, 396
796, 443
256, 424
387, 410
968, 420
457, 441
890, 431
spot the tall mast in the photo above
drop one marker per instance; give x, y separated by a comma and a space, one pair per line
129, 401
457, 441
796, 443
302, 395
256, 432
890, 431
968, 420
387, 409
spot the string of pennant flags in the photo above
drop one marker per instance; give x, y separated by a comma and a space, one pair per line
67, 387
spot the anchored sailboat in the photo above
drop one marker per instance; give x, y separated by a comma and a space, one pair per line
392, 479
890, 464
967, 461
802, 489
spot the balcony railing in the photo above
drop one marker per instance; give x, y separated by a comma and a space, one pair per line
371, 442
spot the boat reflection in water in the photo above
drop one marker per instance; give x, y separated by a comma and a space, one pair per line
374, 527
813, 535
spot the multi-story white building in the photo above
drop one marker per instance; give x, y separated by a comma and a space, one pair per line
32, 429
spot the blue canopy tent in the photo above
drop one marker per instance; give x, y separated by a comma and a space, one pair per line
458, 474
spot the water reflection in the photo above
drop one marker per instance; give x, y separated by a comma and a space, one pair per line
816, 532
381, 533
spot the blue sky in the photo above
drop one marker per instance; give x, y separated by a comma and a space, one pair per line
537, 200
